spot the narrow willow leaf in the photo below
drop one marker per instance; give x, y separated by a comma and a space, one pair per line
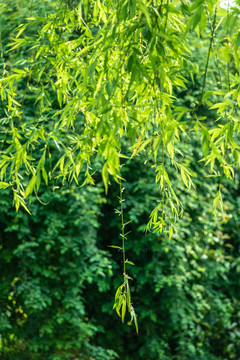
118, 292
184, 178
128, 296
129, 262
134, 318
44, 174
115, 247
124, 303
3, 185
30, 186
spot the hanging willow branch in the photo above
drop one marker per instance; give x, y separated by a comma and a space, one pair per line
207, 64
123, 294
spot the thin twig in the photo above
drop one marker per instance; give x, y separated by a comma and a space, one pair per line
206, 66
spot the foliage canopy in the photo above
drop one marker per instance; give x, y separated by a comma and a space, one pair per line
98, 72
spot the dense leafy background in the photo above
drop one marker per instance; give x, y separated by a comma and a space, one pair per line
58, 276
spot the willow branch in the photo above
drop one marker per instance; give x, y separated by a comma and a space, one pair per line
207, 63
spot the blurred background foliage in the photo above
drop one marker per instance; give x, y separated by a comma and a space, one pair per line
58, 276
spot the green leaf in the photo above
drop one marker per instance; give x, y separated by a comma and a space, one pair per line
197, 17
124, 303
134, 317
30, 186
3, 185
105, 176
44, 174
184, 178
129, 262
115, 247
128, 295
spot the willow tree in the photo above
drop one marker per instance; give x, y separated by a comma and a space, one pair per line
102, 74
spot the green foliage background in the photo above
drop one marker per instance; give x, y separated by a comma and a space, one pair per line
58, 276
